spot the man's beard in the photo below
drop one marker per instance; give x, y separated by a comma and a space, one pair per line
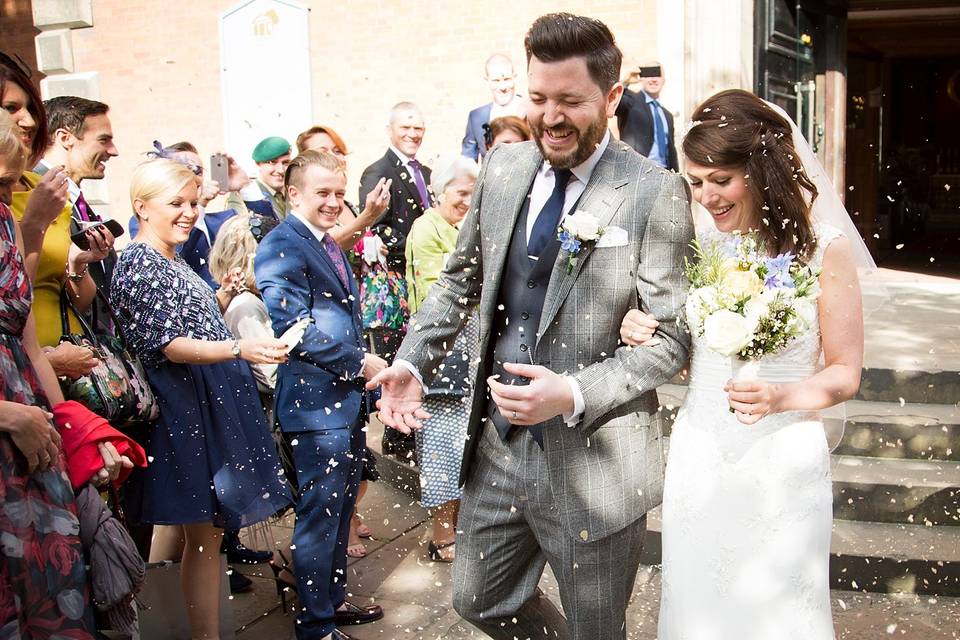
587, 141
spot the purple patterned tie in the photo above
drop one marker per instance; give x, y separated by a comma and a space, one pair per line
336, 255
83, 208
421, 185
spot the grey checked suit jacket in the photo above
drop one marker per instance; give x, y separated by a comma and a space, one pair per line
607, 471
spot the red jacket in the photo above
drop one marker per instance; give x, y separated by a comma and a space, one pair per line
81, 431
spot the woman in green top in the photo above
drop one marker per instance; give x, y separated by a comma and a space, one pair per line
432, 239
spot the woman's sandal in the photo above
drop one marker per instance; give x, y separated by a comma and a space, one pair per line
363, 531
434, 551
358, 550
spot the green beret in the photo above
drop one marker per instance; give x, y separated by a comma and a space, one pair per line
270, 149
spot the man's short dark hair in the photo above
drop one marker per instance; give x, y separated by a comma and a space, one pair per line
559, 36
71, 112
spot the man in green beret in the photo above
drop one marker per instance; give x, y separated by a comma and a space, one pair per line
265, 197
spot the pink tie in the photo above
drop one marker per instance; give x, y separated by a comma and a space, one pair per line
336, 255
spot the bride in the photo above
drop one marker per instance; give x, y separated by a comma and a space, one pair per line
747, 505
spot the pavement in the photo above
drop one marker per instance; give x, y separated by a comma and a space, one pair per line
416, 593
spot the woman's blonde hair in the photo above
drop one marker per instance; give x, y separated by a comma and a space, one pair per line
234, 248
12, 151
158, 178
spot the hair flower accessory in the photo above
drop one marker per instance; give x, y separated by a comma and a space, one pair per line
577, 230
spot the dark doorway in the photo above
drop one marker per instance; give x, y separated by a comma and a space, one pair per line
903, 142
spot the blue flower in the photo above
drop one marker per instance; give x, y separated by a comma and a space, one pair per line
569, 243
778, 272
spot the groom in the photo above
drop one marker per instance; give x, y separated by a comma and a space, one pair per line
563, 458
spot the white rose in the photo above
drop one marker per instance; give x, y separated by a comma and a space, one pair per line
727, 332
582, 226
806, 311
756, 309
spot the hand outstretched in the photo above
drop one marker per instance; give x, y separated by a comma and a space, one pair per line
401, 399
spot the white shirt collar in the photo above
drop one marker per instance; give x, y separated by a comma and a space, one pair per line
317, 232
404, 159
73, 189
584, 170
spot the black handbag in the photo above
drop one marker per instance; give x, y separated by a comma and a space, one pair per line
117, 388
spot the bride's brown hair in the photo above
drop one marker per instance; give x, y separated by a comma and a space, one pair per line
736, 129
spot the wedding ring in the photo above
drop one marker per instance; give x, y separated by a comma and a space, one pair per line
514, 415
633, 335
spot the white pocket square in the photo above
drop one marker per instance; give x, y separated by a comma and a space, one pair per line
613, 237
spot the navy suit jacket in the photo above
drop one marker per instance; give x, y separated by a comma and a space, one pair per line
474, 145
319, 387
636, 126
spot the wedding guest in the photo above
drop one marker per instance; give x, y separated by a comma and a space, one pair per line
386, 319
501, 79
352, 222
508, 129
643, 123
40, 204
351, 226
432, 240
43, 586
265, 197
213, 462
320, 400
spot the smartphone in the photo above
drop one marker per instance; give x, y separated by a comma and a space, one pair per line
80, 238
651, 72
220, 170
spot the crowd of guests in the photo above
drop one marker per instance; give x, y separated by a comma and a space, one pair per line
249, 424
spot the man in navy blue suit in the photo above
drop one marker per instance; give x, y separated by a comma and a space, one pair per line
499, 74
320, 400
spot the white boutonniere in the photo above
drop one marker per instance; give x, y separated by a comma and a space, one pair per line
577, 230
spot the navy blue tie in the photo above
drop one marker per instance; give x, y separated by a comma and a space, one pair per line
545, 226
659, 133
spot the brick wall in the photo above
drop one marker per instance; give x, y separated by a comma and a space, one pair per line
159, 72
17, 32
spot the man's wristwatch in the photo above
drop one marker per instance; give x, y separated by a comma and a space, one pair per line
235, 349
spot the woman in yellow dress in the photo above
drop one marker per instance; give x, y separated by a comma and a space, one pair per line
41, 206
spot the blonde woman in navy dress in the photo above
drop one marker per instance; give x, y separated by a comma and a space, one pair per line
213, 463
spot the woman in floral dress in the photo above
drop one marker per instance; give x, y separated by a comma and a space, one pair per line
43, 587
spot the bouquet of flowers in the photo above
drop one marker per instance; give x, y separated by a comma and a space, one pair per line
746, 304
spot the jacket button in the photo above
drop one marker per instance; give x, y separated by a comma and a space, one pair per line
525, 316
531, 284
523, 347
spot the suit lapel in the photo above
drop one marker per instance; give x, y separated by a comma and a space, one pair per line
602, 198
403, 176
497, 240
311, 240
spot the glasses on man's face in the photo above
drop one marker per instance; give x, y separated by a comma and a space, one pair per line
17, 63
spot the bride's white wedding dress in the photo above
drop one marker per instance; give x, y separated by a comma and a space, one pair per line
747, 510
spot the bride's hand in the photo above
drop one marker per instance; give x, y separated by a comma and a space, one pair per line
752, 400
637, 329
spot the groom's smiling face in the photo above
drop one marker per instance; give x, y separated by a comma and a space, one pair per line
568, 110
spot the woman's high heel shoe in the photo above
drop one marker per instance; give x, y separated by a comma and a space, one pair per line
284, 585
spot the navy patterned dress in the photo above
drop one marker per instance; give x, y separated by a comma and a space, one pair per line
211, 457
43, 586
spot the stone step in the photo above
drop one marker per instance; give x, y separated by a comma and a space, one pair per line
872, 557
923, 492
876, 429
